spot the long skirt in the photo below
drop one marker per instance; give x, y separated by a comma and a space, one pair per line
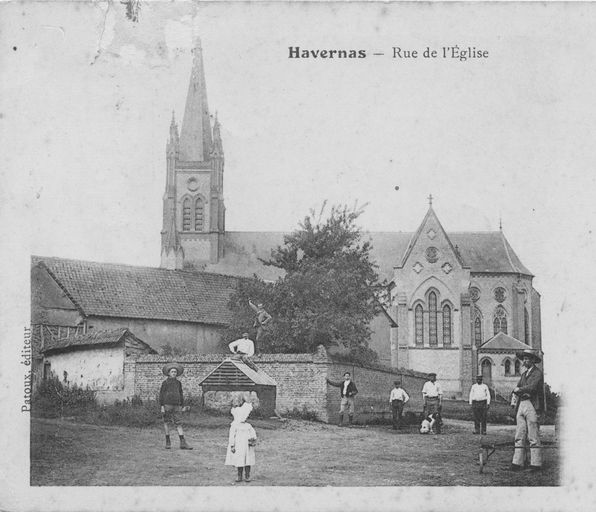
244, 455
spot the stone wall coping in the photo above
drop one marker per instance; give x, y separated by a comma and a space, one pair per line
382, 368
433, 348
317, 357
320, 356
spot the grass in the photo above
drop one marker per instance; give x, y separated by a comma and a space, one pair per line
289, 453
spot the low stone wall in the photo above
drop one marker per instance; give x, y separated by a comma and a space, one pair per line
301, 381
300, 378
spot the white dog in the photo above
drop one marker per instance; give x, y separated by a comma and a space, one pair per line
428, 424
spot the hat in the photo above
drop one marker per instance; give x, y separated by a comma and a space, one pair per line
529, 353
397, 382
166, 369
480, 376
432, 374
244, 334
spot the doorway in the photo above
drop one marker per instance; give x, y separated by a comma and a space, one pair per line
486, 367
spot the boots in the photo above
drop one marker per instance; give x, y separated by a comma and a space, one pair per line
168, 443
247, 473
183, 445
341, 420
239, 477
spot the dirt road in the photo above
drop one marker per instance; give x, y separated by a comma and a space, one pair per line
289, 453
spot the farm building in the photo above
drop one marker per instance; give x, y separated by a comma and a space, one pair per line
94, 360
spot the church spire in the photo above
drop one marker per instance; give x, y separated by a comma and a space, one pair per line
195, 135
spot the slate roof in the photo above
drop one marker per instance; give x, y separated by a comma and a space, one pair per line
235, 372
488, 251
502, 341
107, 289
109, 337
482, 251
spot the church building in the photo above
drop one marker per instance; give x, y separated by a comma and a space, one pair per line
460, 303
463, 303
193, 205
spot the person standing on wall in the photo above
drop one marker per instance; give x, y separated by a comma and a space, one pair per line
398, 399
432, 394
529, 404
480, 401
348, 391
262, 319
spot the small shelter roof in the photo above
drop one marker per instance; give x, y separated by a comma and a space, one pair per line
107, 337
502, 341
234, 372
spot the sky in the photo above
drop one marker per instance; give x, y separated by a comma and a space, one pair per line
87, 97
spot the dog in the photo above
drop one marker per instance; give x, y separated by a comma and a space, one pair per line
429, 422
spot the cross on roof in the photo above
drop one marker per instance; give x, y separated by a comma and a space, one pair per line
430, 199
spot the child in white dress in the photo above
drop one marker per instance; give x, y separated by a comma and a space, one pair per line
242, 441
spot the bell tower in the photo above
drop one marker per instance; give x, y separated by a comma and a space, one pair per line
194, 212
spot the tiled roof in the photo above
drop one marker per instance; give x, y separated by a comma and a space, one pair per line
106, 289
488, 251
502, 341
110, 337
235, 372
485, 251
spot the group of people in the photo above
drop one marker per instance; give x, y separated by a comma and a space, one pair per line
527, 399
242, 438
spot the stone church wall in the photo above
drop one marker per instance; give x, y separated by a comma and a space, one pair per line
445, 363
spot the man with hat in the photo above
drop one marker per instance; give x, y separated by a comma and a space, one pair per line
480, 401
171, 401
530, 399
432, 395
397, 399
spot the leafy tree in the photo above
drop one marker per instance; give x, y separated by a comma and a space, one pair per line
328, 294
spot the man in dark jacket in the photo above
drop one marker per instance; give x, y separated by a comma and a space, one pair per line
348, 391
171, 401
529, 403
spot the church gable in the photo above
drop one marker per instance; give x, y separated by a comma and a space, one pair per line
431, 251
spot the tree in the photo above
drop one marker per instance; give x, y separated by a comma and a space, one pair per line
328, 294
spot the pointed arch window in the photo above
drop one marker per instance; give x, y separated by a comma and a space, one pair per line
500, 321
477, 331
476, 327
446, 325
199, 214
432, 319
507, 367
517, 367
186, 214
419, 325
526, 327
